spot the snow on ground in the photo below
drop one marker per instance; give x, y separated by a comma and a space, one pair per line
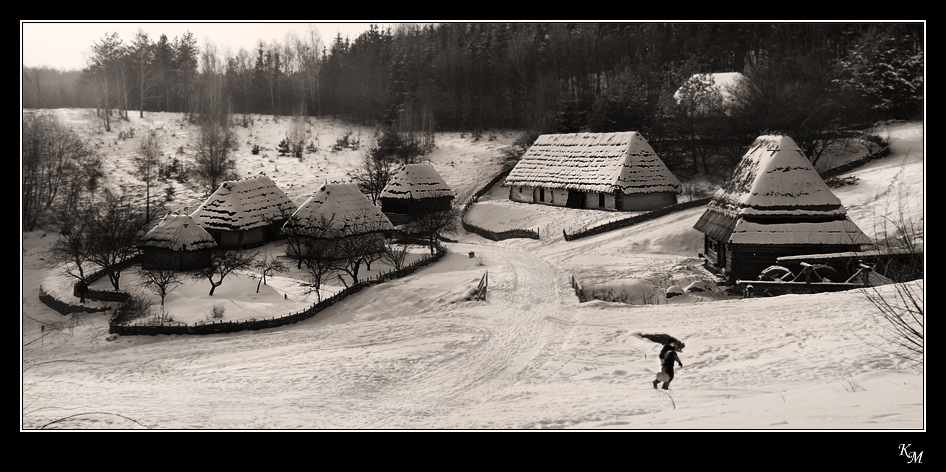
413, 354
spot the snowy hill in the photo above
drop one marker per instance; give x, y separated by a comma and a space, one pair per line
413, 354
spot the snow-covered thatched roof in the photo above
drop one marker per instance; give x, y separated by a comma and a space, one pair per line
835, 232
339, 210
775, 177
777, 189
417, 181
241, 205
593, 162
178, 233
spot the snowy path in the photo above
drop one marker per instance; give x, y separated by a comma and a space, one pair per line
410, 353
409, 370
529, 357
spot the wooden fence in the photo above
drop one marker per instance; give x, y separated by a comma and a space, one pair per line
487, 233
117, 325
633, 220
579, 290
64, 308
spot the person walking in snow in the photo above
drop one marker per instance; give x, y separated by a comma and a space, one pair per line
668, 355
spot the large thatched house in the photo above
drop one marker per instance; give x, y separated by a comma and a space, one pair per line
177, 242
339, 219
244, 213
418, 189
615, 171
775, 205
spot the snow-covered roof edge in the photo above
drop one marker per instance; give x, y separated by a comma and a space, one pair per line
178, 232
417, 181
593, 162
343, 208
240, 205
775, 177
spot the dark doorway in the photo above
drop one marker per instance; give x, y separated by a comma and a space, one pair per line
575, 200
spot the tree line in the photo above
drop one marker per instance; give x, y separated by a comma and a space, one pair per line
811, 81
467, 76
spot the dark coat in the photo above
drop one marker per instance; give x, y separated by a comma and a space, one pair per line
668, 355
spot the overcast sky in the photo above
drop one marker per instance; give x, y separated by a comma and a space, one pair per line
66, 45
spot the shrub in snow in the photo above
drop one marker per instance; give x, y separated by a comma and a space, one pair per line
673, 291
698, 286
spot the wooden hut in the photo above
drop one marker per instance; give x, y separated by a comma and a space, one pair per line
418, 189
339, 219
245, 213
612, 171
177, 242
775, 205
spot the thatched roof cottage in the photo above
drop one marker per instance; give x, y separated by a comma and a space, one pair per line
775, 205
336, 215
245, 213
177, 242
615, 171
418, 189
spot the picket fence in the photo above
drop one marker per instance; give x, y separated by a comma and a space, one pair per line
117, 325
487, 233
633, 220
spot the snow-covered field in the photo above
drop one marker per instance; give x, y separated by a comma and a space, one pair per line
412, 354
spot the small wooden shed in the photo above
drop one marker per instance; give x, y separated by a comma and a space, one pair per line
611, 171
245, 213
417, 189
177, 242
775, 205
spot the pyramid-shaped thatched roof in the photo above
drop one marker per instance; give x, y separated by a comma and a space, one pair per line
593, 162
178, 233
776, 196
339, 210
241, 205
417, 181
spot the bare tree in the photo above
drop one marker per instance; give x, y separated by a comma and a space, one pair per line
73, 245
362, 242
431, 226
147, 165
105, 72
899, 307
312, 244
215, 141
266, 266
319, 270
296, 136
395, 253
305, 238
305, 52
222, 264
898, 310
115, 228
141, 60
161, 281
373, 174
57, 168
